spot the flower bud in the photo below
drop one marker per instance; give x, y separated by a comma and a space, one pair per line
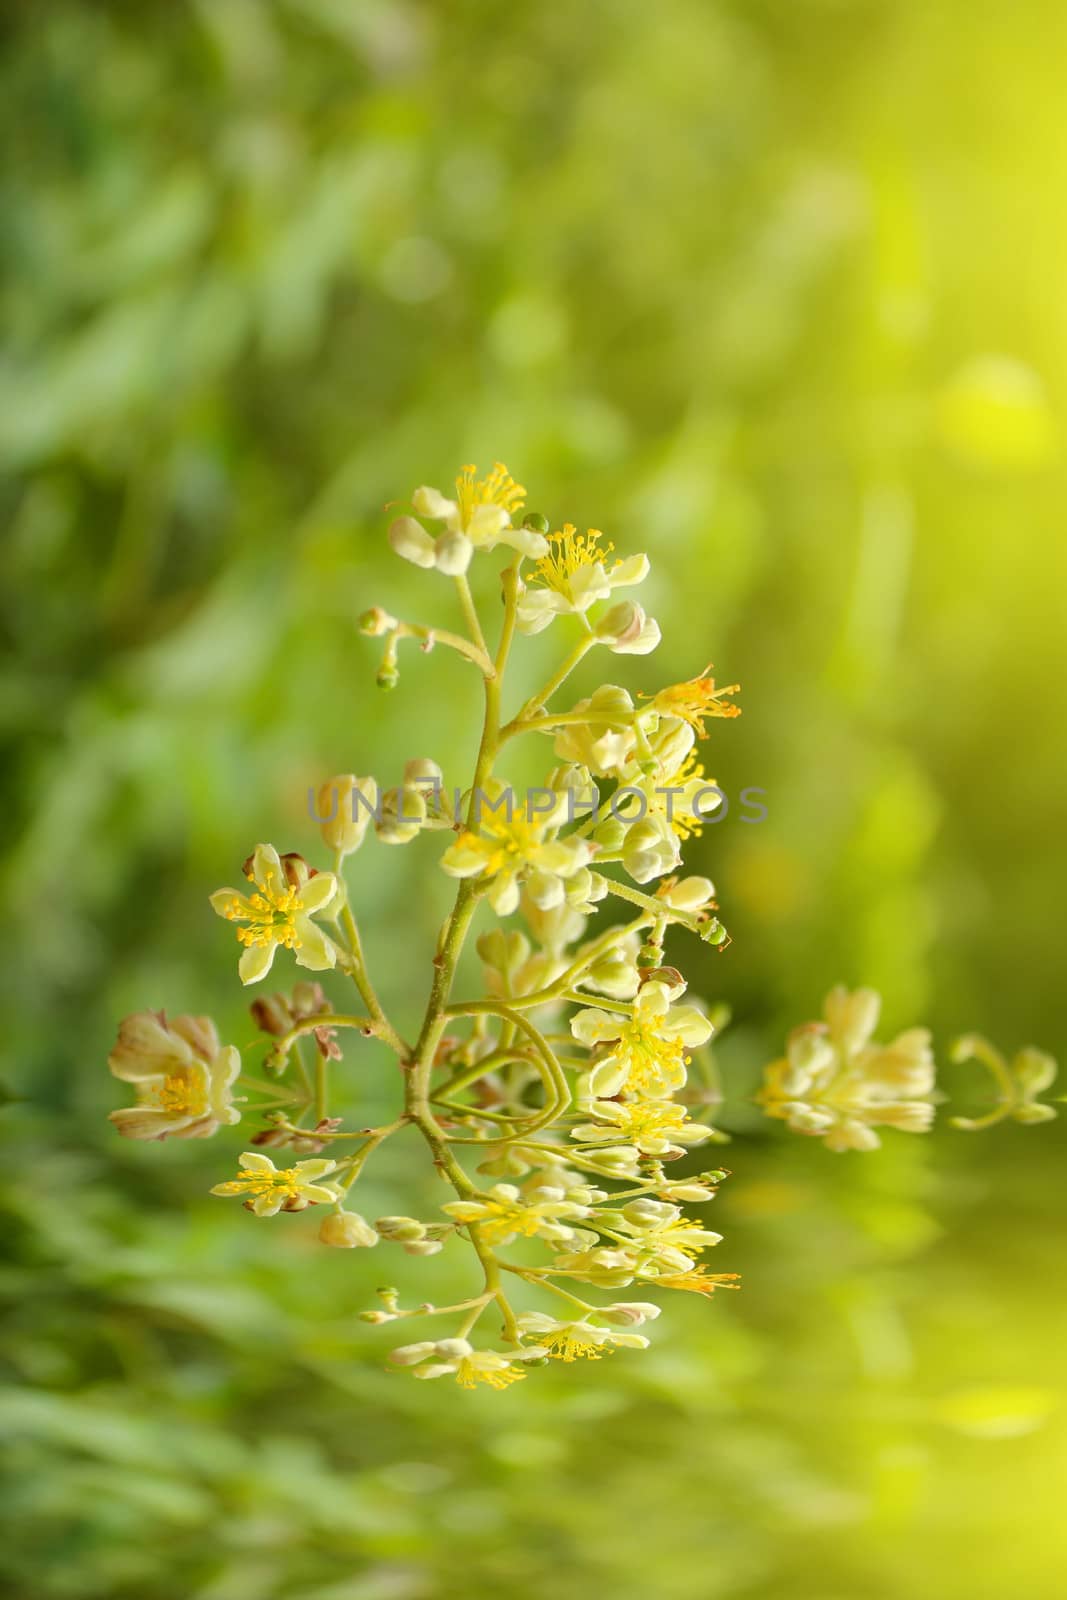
536, 522
504, 1162
649, 851
422, 1247
688, 894
346, 1230
406, 1355
626, 630
609, 833
453, 1349
614, 1161
649, 1213
376, 622
423, 771
351, 801
401, 1228
687, 1191
671, 743
629, 1313
411, 541
615, 975
403, 811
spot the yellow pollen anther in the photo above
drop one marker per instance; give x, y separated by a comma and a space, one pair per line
268, 914
179, 1095
569, 552
696, 699
498, 489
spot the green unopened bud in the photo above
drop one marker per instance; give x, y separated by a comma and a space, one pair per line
422, 1247
615, 975
388, 674
536, 522
423, 771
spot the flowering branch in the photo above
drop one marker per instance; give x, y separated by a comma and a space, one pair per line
566, 1082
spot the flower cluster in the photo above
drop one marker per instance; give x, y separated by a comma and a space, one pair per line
556, 1101
835, 1083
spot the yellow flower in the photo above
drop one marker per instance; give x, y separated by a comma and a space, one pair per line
573, 1341
479, 518
696, 1280
504, 1214
457, 1358
644, 1050
182, 1077
605, 743
651, 812
655, 1127
508, 847
267, 1190
287, 894
573, 576
835, 1084
665, 1237
694, 700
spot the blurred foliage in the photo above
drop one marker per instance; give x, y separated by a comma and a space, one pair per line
769, 288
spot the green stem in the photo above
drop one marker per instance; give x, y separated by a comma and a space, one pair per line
419, 1064
470, 614
356, 967
428, 637
584, 645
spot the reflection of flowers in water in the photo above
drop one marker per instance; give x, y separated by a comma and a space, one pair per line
834, 1083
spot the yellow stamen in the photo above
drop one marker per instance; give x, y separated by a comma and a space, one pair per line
682, 817
653, 1059
179, 1094
468, 1376
504, 1219
563, 1346
288, 1180
694, 700
569, 552
645, 1117
698, 1281
514, 841
269, 914
498, 489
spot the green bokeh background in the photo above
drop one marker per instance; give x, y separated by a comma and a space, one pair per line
771, 289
